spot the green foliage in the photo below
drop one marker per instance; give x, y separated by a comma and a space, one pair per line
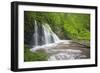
34, 56
77, 26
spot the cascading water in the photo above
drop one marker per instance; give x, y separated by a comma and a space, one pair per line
36, 34
48, 36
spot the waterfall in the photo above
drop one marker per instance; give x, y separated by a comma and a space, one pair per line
49, 34
36, 33
44, 35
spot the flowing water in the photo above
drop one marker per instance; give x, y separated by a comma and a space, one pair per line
48, 36
36, 34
